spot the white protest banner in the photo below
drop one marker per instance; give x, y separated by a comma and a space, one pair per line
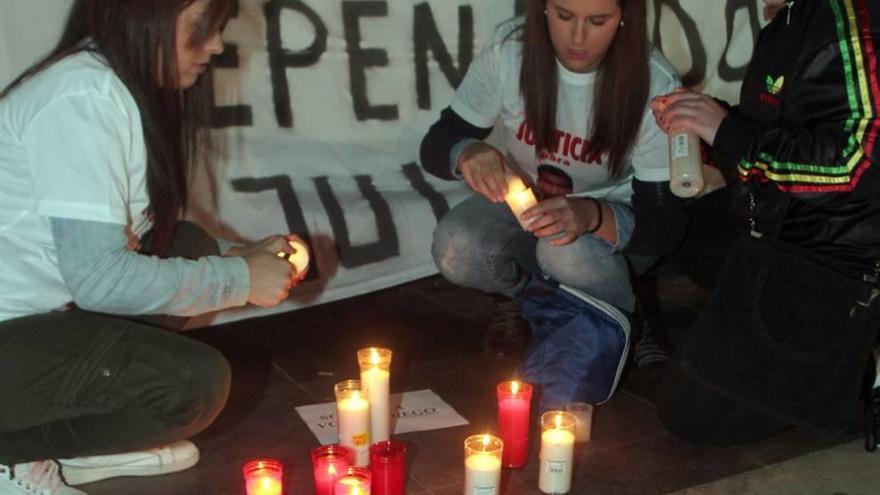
322, 104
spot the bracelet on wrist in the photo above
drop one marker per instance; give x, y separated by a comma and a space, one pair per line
599, 215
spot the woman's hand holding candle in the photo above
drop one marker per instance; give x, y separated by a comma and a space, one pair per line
566, 218
485, 170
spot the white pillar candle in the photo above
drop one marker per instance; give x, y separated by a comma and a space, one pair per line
375, 366
519, 198
557, 452
353, 420
482, 465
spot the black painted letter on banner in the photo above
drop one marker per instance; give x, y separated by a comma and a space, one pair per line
359, 59
416, 178
280, 58
350, 256
725, 71
695, 45
426, 37
230, 115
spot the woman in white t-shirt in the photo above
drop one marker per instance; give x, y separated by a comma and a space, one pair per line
569, 86
95, 146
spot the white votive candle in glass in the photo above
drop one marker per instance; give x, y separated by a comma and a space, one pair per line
375, 364
482, 465
583, 412
557, 452
353, 420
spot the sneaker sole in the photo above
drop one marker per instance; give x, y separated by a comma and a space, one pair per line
77, 476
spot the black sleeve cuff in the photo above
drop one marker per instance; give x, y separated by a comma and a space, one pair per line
733, 140
441, 137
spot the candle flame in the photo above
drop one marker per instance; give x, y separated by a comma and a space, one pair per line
558, 421
355, 491
514, 387
331, 470
486, 440
355, 395
374, 356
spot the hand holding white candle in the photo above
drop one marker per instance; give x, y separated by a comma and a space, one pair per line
375, 364
353, 420
557, 452
519, 198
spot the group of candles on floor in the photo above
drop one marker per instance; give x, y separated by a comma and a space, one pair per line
367, 462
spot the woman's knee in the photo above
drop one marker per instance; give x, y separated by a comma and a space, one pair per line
210, 385
200, 392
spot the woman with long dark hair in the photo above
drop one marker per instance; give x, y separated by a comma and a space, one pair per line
569, 86
96, 143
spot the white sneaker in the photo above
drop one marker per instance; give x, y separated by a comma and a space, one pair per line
162, 460
34, 478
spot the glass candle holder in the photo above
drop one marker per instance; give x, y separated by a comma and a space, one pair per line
584, 414
482, 464
328, 463
387, 463
557, 451
514, 405
355, 481
375, 365
353, 420
263, 477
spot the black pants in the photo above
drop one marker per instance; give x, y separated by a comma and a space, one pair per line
77, 383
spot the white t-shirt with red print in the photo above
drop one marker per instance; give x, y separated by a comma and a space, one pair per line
490, 95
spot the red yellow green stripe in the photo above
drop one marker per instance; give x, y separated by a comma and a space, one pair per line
862, 89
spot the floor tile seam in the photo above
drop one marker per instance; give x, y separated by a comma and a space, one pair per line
294, 383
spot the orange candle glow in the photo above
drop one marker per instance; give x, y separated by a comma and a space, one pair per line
263, 477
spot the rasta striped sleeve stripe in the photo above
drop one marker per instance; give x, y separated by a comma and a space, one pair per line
863, 93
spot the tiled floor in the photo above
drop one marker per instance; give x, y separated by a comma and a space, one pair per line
436, 331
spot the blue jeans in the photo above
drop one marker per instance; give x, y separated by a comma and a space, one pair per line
480, 244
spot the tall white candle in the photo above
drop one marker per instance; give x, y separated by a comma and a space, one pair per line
519, 198
375, 379
353, 420
482, 465
557, 452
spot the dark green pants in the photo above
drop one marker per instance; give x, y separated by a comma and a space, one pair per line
77, 383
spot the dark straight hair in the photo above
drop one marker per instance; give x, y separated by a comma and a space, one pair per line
137, 39
621, 90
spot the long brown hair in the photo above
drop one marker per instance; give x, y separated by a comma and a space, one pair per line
137, 39
621, 90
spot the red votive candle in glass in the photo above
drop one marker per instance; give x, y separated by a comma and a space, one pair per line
514, 402
263, 477
328, 463
355, 481
387, 463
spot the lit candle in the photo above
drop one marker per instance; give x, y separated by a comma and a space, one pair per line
519, 198
514, 402
263, 477
328, 462
353, 420
355, 481
299, 257
375, 364
387, 463
557, 452
583, 412
482, 465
